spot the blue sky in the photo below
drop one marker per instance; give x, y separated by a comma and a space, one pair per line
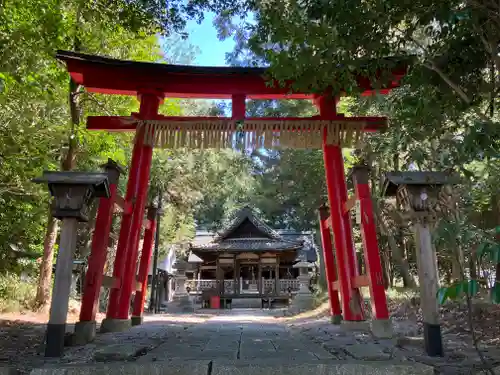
204, 36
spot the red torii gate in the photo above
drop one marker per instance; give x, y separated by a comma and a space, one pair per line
151, 83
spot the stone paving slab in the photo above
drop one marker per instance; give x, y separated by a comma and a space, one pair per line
315, 368
5, 370
298, 345
224, 367
119, 352
154, 368
368, 352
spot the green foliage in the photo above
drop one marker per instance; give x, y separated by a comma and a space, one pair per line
34, 112
15, 293
198, 185
490, 250
495, 293
453, 292
487, 249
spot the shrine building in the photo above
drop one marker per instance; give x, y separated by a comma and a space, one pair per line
248, 258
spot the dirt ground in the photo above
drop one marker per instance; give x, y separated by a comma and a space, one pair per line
22, 336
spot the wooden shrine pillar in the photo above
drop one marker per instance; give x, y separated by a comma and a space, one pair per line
341, 225
237, 273
235, 276
117, 317
85, 329
277, 276
238, 107
381, 325
260, 287
219, 281
147, 251
331, 274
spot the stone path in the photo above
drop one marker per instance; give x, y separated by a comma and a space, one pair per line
256, 338
238, 337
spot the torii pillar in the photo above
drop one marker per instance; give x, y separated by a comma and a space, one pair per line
347, 269
380, 324
124, 271
329, 262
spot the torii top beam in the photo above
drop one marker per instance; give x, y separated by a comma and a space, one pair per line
113, 76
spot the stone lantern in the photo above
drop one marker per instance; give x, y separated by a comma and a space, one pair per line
180, 277
73, 192
303, 277
423, 196
181, 301
303, 299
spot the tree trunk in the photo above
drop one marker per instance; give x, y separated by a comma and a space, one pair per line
402, 263
496, 213
44, 282
472, 266
457, 264
386, 269
404, 246
360, 261
399, 241
322, 270
42, 300
397, 255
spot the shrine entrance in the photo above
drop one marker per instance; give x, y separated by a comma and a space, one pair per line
328, 131
248, 278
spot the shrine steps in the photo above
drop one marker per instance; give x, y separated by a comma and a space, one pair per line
246, 303
251, 302
250, 367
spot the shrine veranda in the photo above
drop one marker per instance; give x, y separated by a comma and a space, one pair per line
151, 83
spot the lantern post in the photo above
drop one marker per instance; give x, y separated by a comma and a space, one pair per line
73, 193
419, 194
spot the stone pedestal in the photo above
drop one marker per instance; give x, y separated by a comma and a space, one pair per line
84, 332
382, 328
114, 325
136, 320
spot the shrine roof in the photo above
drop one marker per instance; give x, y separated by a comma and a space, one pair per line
247, 233
300, 242
114, 76
250, 244
239, 218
